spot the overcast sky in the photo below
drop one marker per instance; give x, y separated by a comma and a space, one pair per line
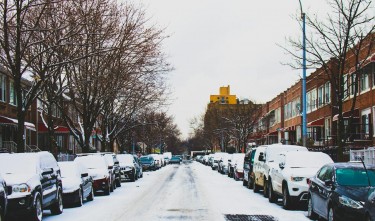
217, 43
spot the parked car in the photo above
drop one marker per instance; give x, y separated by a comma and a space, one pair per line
290, 180
33, 183
232, 161
216, 157
3, 199
248, 174
175, 160
128, 165
148, 163
223, 164
265, 159
112, 160
342, 191
99, 170
167, 156
158, 162
76, 182
238, 169
138, 166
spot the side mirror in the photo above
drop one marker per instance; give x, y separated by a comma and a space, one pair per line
47, 171
281, 165
117, 163
229, 160
261, 157
84, 175
110, 167
328, 182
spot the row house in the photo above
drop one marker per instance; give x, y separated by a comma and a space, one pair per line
282, 122
36, 129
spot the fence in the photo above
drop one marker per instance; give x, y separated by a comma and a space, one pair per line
367, 155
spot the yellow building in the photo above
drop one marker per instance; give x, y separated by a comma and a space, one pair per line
224, 97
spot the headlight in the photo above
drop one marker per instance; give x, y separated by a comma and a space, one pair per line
296, 179
21, 188
346, 201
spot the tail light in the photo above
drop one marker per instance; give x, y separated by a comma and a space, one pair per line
308, 181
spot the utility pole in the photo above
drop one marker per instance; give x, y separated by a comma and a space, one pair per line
304, 103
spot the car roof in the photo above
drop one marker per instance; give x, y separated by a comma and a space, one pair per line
351, 165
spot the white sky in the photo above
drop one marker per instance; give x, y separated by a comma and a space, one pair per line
217, 43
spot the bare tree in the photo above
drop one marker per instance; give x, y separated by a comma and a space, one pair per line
337, 43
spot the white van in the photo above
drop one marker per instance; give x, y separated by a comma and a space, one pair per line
266, 158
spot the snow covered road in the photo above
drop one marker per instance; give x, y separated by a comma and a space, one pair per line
190, 191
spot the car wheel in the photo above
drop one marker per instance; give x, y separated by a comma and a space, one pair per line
271, 195
57, 208
118, 183
255, 187
310, 210
250, 183
37, 210
79, 203
244, 182
265, 188
91, 196
111, 187
235, 176
107, 191
331, 214
286, 198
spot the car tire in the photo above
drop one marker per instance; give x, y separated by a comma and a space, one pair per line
118, 183
235, 176
244, 182
250, 183
111, 187
255, 188
107, 191
272, 198
57, 208
331, 214
79, 203
287, 204
310, 210
265, 188
36, 213
91, 196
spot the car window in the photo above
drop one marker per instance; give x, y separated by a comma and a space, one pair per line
326, 173
355, 177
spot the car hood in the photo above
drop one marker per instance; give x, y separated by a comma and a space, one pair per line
19, 178
70, 184
302, 172
355, 193
97, 172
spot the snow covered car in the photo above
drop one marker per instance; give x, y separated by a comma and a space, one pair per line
248, 174
216, 157
33, 184
223, 164
265, 159
3, 199
98, 170
238, 169
232, 161
76, 182
291, 179
112, 160
128, 166
342, 191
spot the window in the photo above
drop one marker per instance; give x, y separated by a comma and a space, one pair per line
12, 94
353, 84
320, 96
311, 100
327, 92
278, 115
373, 120
346, 87
2, 87
327, 128
364, 81
366, 123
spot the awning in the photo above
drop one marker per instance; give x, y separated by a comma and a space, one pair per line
316, 123
347, 115
11, 121
58, 129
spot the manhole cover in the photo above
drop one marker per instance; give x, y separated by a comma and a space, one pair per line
238, 217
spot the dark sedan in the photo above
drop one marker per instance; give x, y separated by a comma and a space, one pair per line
148, 163
342, 191
175, 159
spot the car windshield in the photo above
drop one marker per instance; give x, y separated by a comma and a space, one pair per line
18, 163
146, 159
355, 177
68, 169
92, 162
314, 161
125, 159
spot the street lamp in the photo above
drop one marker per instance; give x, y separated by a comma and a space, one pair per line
304, 120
